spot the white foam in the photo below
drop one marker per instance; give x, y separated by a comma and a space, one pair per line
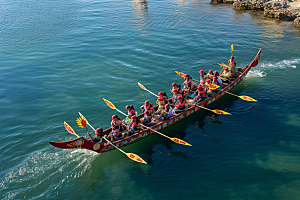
282, 64
256, 73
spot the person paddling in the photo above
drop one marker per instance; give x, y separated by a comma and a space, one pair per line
167, 113
203, 75
146, 120
133, 126
180, 105
131, 110
147, 106
226, 74
210, 92
200, 94
116, 123
216, 82
216, 74
210, 74
98, 137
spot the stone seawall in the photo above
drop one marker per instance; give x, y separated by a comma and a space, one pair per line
280, 9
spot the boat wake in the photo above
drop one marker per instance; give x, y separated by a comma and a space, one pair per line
282, 64
35, 174
256, 73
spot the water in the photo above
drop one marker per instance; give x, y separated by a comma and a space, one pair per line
61, 57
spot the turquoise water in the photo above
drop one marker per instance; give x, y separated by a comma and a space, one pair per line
61, 57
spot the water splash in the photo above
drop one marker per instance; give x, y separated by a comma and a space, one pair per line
36, 172
282, 64
256, 73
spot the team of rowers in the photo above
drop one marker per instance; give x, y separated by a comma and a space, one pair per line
182, 99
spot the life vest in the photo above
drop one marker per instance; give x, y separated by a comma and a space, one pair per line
148, 107
117, 123
232, 63
131, 113
134, 125
181, 105
117, 133
97, 138
161, 104
147, 118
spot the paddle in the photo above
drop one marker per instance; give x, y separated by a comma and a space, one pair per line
83, 122
209, 85
69, 129
179, 141
231, 48
146, 89
246, 98
224, 65
215, 111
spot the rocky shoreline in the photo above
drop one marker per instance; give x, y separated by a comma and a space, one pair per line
280, 9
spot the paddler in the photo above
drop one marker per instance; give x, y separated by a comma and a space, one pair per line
146, 120
116, 123
200, 94
226, 74
210, 92
167, 113
179, 90
161, 103
131, 110
210, 74
203, 75
147, 106
133, 126
216, 74
116, 134
98, 137
217, 81
190, 87
174, 98
180, 105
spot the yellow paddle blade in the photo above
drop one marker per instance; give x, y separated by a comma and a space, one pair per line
212, 86
220, 112
223, 65
179, 141
81, 122
231, 48
142, 86
246, 98
180, 73
225, 79
135, 158
69, 129
110, 104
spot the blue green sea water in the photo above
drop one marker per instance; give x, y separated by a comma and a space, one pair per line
61, 57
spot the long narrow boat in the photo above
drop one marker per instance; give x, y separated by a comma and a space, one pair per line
81, 142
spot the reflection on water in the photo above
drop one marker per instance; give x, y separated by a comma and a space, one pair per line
140, 9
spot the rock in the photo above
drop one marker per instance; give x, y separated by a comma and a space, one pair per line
297, 22
282, 13
221, 1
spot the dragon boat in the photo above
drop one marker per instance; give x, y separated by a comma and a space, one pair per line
81, 142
